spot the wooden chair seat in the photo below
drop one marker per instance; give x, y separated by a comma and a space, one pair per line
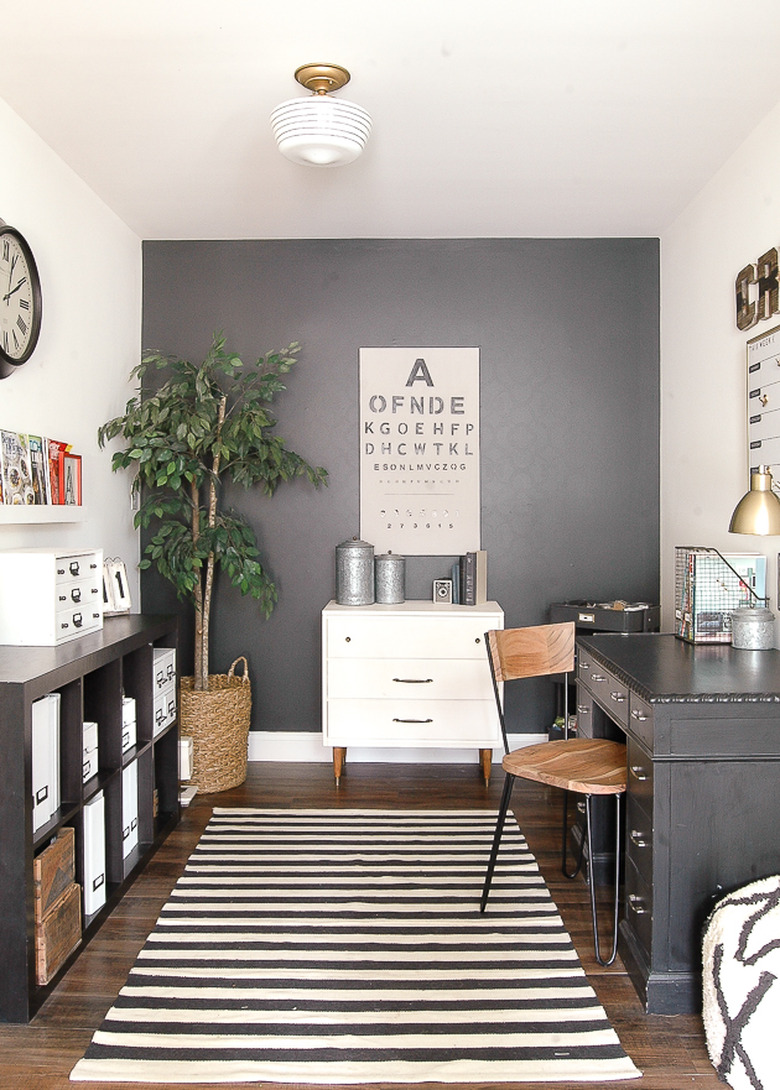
589, 766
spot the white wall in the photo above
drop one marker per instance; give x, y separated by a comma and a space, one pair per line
90, 267
704, 463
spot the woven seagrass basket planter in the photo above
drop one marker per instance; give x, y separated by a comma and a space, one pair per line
217, 720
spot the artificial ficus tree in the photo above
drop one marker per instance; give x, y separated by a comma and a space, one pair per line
206, 424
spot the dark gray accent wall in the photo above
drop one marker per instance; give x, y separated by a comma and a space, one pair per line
568, 331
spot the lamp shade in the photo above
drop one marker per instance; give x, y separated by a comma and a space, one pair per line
320, 131
758, 512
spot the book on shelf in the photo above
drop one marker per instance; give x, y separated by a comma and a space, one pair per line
473, 578
39, 469
15, 469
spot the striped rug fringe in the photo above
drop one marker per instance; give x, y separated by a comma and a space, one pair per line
347, 946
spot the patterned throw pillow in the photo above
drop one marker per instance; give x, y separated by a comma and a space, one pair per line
741, 985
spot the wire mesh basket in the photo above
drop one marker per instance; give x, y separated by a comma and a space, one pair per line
708, 586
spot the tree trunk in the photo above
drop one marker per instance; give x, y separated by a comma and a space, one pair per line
209, 581
198, 682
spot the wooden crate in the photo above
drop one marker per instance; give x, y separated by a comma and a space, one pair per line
58, 934
54, 869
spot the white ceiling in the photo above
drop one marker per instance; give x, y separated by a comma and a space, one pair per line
491, 117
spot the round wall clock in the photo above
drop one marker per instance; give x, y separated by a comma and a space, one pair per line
21, 302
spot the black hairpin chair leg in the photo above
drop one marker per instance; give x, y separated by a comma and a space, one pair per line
509, 781
565, 837
592, 884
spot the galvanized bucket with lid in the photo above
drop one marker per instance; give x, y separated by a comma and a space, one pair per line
390, 570
354, 573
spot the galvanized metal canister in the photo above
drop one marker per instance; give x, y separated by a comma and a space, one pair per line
354, 573
390, 573
753, 628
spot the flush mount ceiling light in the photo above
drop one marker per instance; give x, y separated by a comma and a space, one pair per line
321, 131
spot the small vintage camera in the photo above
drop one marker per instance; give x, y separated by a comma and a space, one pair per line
442, 590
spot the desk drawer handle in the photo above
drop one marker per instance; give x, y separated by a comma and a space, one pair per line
638, 905
585, 665
638, 837
639, 773
597, 677
619, 698
413, 680
639, 716
583, 709
412, 720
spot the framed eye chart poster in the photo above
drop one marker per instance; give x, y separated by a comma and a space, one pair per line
419, 450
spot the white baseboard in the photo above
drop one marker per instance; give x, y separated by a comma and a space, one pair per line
306, 746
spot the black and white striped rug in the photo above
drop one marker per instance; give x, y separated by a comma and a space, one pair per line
347, 946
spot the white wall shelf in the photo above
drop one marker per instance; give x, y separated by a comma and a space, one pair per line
40, 515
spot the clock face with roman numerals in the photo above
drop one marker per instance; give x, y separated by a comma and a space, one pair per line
20, 300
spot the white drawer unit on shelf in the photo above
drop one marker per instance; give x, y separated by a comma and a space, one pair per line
409, 675
48, 597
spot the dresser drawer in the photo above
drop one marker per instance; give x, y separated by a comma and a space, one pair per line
605, 688
440, 637
410, 679
421, 723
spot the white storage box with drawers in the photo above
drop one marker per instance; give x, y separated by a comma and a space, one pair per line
90, 754
49, 596
164, 696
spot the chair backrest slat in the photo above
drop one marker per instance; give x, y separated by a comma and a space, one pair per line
531, 652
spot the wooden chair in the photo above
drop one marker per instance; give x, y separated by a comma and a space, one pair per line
587, 766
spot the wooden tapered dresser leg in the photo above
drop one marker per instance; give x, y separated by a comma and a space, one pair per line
339, 759
486, 760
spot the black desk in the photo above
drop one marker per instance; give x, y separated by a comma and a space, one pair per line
702, 724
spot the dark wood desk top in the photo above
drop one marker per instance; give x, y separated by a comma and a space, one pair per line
664, 669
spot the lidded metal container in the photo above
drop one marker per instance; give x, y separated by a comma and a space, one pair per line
355, 573
390, 574
753, 628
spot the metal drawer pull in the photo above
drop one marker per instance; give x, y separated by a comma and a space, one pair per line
637, 904
639, 773
585, 665
637, 837
639, 716
617, 697
597, 677
412, 720
413, 680
583, 709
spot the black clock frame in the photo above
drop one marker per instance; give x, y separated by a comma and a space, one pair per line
7, 364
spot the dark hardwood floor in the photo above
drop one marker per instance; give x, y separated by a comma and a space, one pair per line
669, 1050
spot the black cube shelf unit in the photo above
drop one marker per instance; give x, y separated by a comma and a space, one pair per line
91, 674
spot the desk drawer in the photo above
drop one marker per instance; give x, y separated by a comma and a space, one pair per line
639, 907
584, 712
640, 720
639, 838
640, 775
605, 688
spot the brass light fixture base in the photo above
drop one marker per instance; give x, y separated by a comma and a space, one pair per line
322, 78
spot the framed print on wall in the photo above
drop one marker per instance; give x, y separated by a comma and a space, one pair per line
420, 450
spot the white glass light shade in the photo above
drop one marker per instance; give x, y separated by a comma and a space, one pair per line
320, 131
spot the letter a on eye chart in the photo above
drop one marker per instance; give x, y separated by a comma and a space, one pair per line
419, 450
